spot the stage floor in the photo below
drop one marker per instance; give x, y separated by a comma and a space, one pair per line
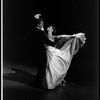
18, 80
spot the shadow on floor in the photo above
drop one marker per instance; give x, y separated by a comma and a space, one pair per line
70, 92
20, 76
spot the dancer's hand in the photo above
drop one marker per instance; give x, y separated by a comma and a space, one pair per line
37, 16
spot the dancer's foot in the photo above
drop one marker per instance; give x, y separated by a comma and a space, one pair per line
63, 83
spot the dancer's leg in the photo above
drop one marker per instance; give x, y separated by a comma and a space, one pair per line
41, 69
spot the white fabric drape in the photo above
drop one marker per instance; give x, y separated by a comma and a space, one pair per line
58, 60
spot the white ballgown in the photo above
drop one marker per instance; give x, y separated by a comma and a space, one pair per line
59, 58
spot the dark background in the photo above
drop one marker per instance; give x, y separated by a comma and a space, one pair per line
69, 17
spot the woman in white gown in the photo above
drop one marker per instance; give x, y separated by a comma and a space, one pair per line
59, 56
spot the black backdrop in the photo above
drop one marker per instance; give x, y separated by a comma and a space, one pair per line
68, 17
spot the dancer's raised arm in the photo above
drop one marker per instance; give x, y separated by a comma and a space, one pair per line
41, 23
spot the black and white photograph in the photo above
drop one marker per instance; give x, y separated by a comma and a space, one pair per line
50, 50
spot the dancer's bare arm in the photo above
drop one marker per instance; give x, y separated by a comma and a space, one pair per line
74, 35
59, 36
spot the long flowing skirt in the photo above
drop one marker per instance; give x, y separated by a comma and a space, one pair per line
59, 59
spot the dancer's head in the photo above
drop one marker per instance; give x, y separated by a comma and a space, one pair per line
51, 30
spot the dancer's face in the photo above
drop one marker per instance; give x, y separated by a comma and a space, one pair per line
50, 30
